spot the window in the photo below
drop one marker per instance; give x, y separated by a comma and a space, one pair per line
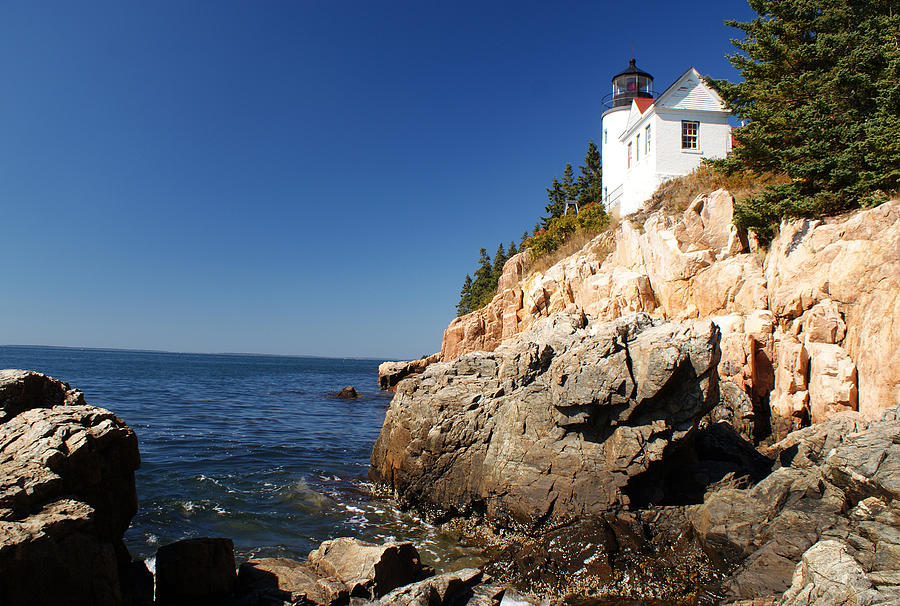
637, 148
604, 136
647, 140
629, 156
690, 132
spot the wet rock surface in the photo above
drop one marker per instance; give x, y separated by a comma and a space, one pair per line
552, 425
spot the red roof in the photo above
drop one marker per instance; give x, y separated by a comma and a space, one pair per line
643, 103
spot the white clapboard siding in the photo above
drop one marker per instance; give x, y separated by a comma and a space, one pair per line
690, 92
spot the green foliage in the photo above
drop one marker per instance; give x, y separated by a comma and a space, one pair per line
477, 293
821, 92
511, 250
497, 267
592, 218
589, 180
465, 297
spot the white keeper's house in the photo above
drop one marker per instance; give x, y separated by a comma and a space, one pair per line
647, 141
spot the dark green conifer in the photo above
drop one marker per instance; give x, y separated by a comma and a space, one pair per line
821, 94
589, 179
497, 267
512, 250
465, 297
482, 283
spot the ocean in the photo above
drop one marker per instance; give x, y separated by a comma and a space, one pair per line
254, 448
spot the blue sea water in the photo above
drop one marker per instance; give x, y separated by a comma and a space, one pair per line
254, 448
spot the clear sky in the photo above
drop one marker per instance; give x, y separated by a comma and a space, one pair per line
295, 177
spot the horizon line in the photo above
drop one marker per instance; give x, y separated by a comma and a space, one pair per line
196, 353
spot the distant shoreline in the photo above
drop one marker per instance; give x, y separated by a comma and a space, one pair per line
195, 353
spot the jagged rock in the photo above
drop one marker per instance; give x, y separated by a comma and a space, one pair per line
195, 571
868, 463
67, 494
832, 383
391, 373
334, 572
366, 568
852, 261
554, 424
847, 462
829, 576
461, 588
735, 409
823, 323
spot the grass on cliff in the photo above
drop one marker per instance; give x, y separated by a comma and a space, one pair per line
674, 196
566, 235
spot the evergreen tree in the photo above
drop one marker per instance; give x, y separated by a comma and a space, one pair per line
821, 92
465, 297
569, 186
524, 237
511, 250
589, 180
481, 285
497, 267
556, 196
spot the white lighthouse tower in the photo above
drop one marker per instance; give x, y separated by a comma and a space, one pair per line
646, 141
628, 85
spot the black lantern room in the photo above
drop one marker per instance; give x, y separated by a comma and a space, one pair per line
630, 84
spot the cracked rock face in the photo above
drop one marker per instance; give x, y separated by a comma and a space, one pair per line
823, 528
553, 424
67, 494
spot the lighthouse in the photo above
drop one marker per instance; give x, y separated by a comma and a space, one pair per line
646, 141
629, 84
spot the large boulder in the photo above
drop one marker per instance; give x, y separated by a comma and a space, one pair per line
555, 424
336, 571
67, 494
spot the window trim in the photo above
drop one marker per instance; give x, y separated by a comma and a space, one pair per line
637, 148
628, 164
647, 140
688, 137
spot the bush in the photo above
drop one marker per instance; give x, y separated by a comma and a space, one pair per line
590, 220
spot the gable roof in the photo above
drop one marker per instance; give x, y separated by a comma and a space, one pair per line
643, 103
689, 91
639, 107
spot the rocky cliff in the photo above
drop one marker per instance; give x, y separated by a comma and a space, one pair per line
810, 328
558, 422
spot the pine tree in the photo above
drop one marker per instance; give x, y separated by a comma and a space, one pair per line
569, 186
524, 237
512, 250
589, 180
481, 285
497, 267
821, 92
465, 304
556, 196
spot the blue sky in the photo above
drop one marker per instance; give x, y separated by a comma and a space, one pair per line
295, 177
